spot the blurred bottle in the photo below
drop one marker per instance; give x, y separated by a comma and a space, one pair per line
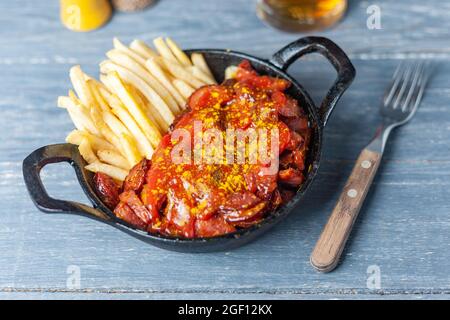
301, 15
84, 15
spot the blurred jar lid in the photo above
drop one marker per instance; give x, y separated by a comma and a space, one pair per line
84, 15
131, 5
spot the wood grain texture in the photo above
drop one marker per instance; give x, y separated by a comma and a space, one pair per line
224, 295
403, 227
331, 243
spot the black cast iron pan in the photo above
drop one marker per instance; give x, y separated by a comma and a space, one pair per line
217, 60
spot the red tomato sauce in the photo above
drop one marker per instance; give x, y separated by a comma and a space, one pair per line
205, 198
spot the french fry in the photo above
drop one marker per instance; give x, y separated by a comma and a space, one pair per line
87, 77
76, 136
78, 78
199, 61
109, 97
159, 104
182, 58
159, 60
100, 86
112, 171
86, 151
131, 151
127, 120
77, 102
79, 115
121, 47
149, 109
76, 120
100, 144
164, 50
113, 139
69, 101
121, 119
114, 124
230, 72
199, 74
72, 95
159, 73
118, 128
149, 129
96, 94
141, 48
182, 87
113, 158
65, 102
127, 63
107, 133
181, 73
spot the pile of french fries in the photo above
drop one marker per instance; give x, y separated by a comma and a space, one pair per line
121, 119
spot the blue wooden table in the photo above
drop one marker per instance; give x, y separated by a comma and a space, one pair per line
401, 238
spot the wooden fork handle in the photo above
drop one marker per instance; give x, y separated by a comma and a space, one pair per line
330, 245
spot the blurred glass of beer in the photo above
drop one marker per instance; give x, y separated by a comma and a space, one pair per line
301, 15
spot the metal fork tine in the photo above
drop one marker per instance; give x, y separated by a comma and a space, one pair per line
395, 82
405, 84
404, 96
399, 67
418, 70
423, 81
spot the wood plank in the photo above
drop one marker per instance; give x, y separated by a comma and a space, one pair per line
414, 236
120, 295
222, 24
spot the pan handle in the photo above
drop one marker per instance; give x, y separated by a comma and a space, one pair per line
345, 70
39, 158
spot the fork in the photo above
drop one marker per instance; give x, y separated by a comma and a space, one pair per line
399, 105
